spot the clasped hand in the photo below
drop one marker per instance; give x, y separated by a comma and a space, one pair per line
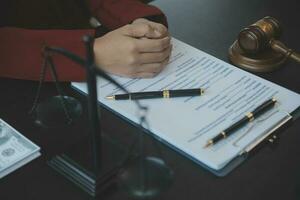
138, 50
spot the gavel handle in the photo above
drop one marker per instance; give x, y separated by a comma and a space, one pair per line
296, 57
281, 48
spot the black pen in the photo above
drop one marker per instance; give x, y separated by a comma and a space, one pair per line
158, 94
247, 118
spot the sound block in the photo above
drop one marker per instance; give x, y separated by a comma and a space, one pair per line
266, 61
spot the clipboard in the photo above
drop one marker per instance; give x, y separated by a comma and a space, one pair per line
250, 150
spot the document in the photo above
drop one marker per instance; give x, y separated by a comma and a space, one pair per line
15, 149
187, 123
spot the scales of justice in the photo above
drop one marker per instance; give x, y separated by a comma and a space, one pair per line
106, 162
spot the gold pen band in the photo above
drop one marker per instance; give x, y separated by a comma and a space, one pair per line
250, 116
224, 134
166, 93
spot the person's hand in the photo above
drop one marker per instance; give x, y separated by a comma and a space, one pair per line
137, 50
160, 28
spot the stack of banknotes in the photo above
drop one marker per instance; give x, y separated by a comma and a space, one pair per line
15, 149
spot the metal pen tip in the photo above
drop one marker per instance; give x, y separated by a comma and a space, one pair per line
110, 97
201, 91
209, 143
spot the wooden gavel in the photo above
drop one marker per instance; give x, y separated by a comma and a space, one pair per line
263, 35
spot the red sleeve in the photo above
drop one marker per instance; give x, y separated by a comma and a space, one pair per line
21, 53
21, 49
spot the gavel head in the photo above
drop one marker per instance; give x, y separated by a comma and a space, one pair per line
257, 36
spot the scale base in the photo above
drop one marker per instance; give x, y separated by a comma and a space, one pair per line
76, 166
266, 61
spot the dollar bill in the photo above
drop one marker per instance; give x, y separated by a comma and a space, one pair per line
15, 149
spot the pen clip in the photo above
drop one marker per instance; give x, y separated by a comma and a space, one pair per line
267, 135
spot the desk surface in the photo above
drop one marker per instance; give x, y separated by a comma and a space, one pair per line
210, 25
